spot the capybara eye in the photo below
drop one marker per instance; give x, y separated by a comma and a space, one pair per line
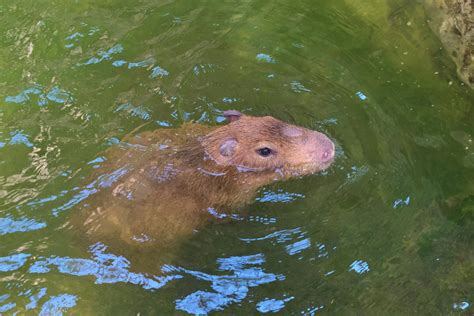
264, 152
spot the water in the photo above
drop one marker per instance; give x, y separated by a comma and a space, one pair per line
388, 229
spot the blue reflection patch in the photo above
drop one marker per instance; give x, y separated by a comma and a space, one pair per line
104, 55
237, 263
142, 64
56, 305
281, 236
50, 198
55, 94
201, 303
359, 267
76, 36
228, 288
461, 306
34, 298
158, 72
361, 95
17, 138
8, 225
58, 95
265, 58
401, 202
311, 311
298, 246
105, 267
105, 180
272, 305
112, 141
97, 160
279, 196
7, 307
119, 63
13, 262
24, 95
163, 123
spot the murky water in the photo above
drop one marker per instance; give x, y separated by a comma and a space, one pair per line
388, 229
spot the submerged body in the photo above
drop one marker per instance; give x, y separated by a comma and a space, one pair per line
161, 186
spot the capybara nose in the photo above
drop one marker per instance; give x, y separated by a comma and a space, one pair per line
328, 153
324, 148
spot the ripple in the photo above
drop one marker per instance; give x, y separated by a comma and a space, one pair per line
56, 305
298, 87
137, 111
43, 95
158, 72
103, 181
228, 288
279, 196
105, 267
359, 267
13, 262
9, 225
298, 246
103, 55
272, 305
201, 69
280, 236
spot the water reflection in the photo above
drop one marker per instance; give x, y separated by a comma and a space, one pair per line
13, 262
138, 111
104, 267
272, 305
43, 95
241, 274
34, 297
279, 196
103, 55
265, 58
9, 225
280, 236
56, 305
405, 128
103, 181
359, 266
228, 289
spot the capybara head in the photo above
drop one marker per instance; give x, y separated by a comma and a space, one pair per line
268, 144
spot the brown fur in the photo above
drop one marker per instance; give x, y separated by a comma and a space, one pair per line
176, 177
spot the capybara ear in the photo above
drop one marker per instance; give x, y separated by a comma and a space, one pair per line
232, 115
227, 148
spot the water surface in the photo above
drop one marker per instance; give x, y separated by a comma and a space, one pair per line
388, 229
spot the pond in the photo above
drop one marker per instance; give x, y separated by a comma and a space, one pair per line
388, 229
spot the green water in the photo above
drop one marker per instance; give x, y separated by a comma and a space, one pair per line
389, 229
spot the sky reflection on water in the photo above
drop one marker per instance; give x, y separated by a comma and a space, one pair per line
367, 236
243, 273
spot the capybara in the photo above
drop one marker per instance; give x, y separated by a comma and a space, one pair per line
160, 186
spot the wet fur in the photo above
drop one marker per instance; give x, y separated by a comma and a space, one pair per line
174, 183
